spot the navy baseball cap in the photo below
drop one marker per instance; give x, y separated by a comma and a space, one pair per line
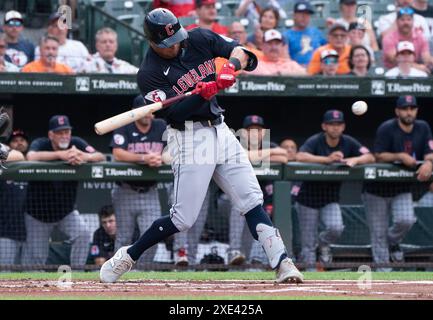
331, 116
59, 122
253, 120
138, 102
406, 101
303, 6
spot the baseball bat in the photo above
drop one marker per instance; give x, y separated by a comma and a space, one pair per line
130, 116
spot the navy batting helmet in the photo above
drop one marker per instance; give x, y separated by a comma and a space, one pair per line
163, 28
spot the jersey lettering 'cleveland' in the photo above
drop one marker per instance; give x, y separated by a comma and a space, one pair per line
192, 77
160, 79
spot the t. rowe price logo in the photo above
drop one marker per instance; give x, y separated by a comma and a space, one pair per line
370, 173
97, 172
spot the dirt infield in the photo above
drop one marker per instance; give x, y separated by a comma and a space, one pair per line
199, 289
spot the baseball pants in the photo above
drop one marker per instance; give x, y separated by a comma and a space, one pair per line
133, 208
206, 153
190, 239
309, 219
10, 251
382, 236
36, 248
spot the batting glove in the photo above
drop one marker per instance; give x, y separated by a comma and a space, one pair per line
226, 78
207, 89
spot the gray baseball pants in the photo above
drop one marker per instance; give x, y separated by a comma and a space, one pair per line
133, 208
36, 247
382, 236
309, 219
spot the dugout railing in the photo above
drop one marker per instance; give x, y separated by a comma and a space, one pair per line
95, 182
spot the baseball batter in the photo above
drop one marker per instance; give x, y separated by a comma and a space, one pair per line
200, 143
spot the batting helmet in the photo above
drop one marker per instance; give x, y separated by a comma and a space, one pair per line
163, 28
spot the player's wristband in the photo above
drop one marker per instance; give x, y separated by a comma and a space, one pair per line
236, 63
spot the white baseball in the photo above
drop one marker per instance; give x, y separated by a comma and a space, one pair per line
359, 107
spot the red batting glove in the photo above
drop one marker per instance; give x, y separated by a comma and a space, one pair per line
207, 89
226, 78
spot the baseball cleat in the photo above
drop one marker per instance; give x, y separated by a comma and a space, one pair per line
181, 258
114, 268
288, 273
236, 258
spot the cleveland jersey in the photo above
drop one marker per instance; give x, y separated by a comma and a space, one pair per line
160, 79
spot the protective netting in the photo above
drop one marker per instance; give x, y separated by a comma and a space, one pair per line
334, 225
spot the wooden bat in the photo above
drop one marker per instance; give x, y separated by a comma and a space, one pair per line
130, 116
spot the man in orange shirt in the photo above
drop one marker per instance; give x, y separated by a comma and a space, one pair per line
49, 47
207, 16
275, 61
337, 38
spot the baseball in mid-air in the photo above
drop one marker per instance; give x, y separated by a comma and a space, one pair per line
359, 107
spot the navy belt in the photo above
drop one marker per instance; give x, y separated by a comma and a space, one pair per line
204, 123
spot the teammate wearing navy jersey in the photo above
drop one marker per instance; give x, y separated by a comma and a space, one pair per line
405, 140
316, 200
200, 143
52, 203
137, 202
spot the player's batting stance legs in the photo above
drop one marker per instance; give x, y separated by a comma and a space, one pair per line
234, 175
193, 52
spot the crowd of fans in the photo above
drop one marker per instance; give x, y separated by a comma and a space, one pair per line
397, 44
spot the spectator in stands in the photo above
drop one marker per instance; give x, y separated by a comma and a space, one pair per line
406, 32
405, 140
71, 52
53, 203
12, 228
291, 147
185, 8
337, 37
104, 60
359, 61
328, 63
303, 38
252, 9
423, 8
316, 200
20, 51
387, 23
256, 141
275, 61
47, 63
103, 238
269, 19
207, 17
348, 10
356, 34
19, 141
5, 66
405, 59
237, 32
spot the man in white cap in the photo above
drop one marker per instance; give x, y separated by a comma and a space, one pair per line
328, 63
19, 50
275, 61
405, 59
